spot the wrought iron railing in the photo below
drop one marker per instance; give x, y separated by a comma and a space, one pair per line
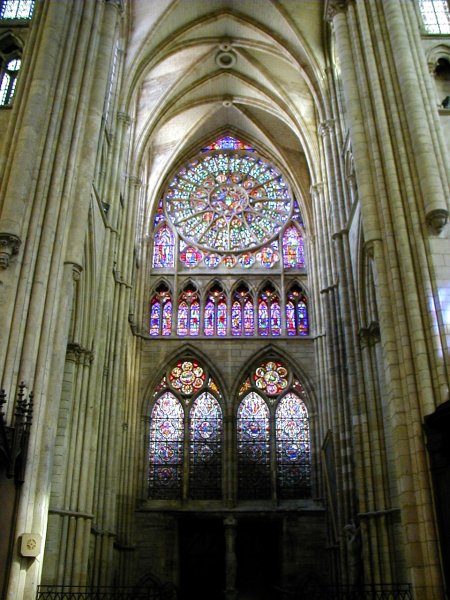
347, 592
68, 592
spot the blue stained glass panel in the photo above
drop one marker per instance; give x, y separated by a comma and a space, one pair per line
166, 448
292, 448
222, 318
183, 312
290, 318
155, 317
249, 318
167, 318
163, 249
293, 253
303, 327
263, 318
236, 318
275, 318
209, 318
253, 436
194, 318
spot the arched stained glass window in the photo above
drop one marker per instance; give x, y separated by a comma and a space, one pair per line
188, 322
222, 318
210, 318
269, 312
293, 252
8, 81
435, 16
205, 448
249, 318
273, 433
253, 435
186, 416
297, 322
163, 249
161, 312
216, 312
292, 448
166, 448
236, 318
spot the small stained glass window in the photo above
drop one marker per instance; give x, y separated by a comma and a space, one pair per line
16, 9
166, 448
188, 322
293, 252
161, 312
253, 434
8, 82
297, 322
163, 249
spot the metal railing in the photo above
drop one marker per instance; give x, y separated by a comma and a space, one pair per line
377, 591
68, 592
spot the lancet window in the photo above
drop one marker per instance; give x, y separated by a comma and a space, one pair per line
435, 16
16, 9
227, 214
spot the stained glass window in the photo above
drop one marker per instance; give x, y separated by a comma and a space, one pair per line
269, 312
236, 318
293, 253
292, 448
435, 16
297, 312
163, 249
228, 202
271, 377
205, 448
8, 81
187, 377
161, 312
16, 9
227, 142
188, 322
249, 318
166, 448
253, 435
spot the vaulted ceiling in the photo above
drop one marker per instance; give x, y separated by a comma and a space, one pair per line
255, 68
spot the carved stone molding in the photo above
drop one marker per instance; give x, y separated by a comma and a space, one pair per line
437, 220
9, 245
370, 335
124, 117
339, 234
326, 127
317, 190
333, 7
79, 355
135, 180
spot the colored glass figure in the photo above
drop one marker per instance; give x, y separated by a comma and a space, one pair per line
212, 260
292, 448
228, 202
271, 377
191, 256
166, 448
293, 254
290, 318
275, 317
245, 387
155, 317
236, 318
303, 328
267, 257
167, 318
213, 387
253, 448
263, 318
182, 326
249, 318
159, 215
296, 214
209, 318
205, 448
222, 318
163, 249
246, 260
194, 318
187, 377
229, 261
227, 142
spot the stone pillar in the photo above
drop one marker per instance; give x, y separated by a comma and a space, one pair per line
230, 524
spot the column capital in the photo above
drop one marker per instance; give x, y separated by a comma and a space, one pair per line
333, 7
316, 190
9, 245
326, 127
437, 219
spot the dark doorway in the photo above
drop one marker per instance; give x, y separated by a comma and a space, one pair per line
202, 559
258, 551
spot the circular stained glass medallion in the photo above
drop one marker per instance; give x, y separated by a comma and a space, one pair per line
228, 202
187, 377
271, 377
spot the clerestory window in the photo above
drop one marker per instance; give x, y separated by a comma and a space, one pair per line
435, 16
226, 218
16, 9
